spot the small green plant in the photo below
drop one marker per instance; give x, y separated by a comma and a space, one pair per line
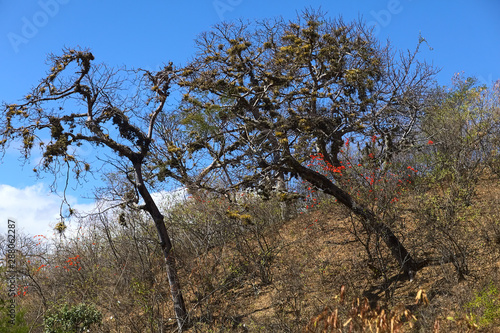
485, 307
12, 325
77, 319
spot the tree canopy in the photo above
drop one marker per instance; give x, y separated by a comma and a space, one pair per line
274, 93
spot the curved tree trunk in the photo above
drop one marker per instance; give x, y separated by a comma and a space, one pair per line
368, 218
166, 246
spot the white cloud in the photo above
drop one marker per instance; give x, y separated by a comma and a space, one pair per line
34, 208
166, 199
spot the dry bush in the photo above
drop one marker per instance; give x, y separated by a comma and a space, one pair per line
458, 121
225, 248
112, 266
359, 316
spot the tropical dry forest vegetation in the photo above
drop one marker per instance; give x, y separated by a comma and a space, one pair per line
333, 186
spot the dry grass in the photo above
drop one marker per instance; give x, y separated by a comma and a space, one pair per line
321, 255
314, 256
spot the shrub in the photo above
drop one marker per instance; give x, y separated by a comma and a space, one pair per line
6, 325
484, 309
77, 319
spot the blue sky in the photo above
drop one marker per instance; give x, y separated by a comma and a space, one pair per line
464, 35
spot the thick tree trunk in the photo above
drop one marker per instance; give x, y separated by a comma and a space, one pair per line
166, 246
368, 218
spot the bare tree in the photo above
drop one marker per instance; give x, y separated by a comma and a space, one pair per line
278, 92
79, 103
